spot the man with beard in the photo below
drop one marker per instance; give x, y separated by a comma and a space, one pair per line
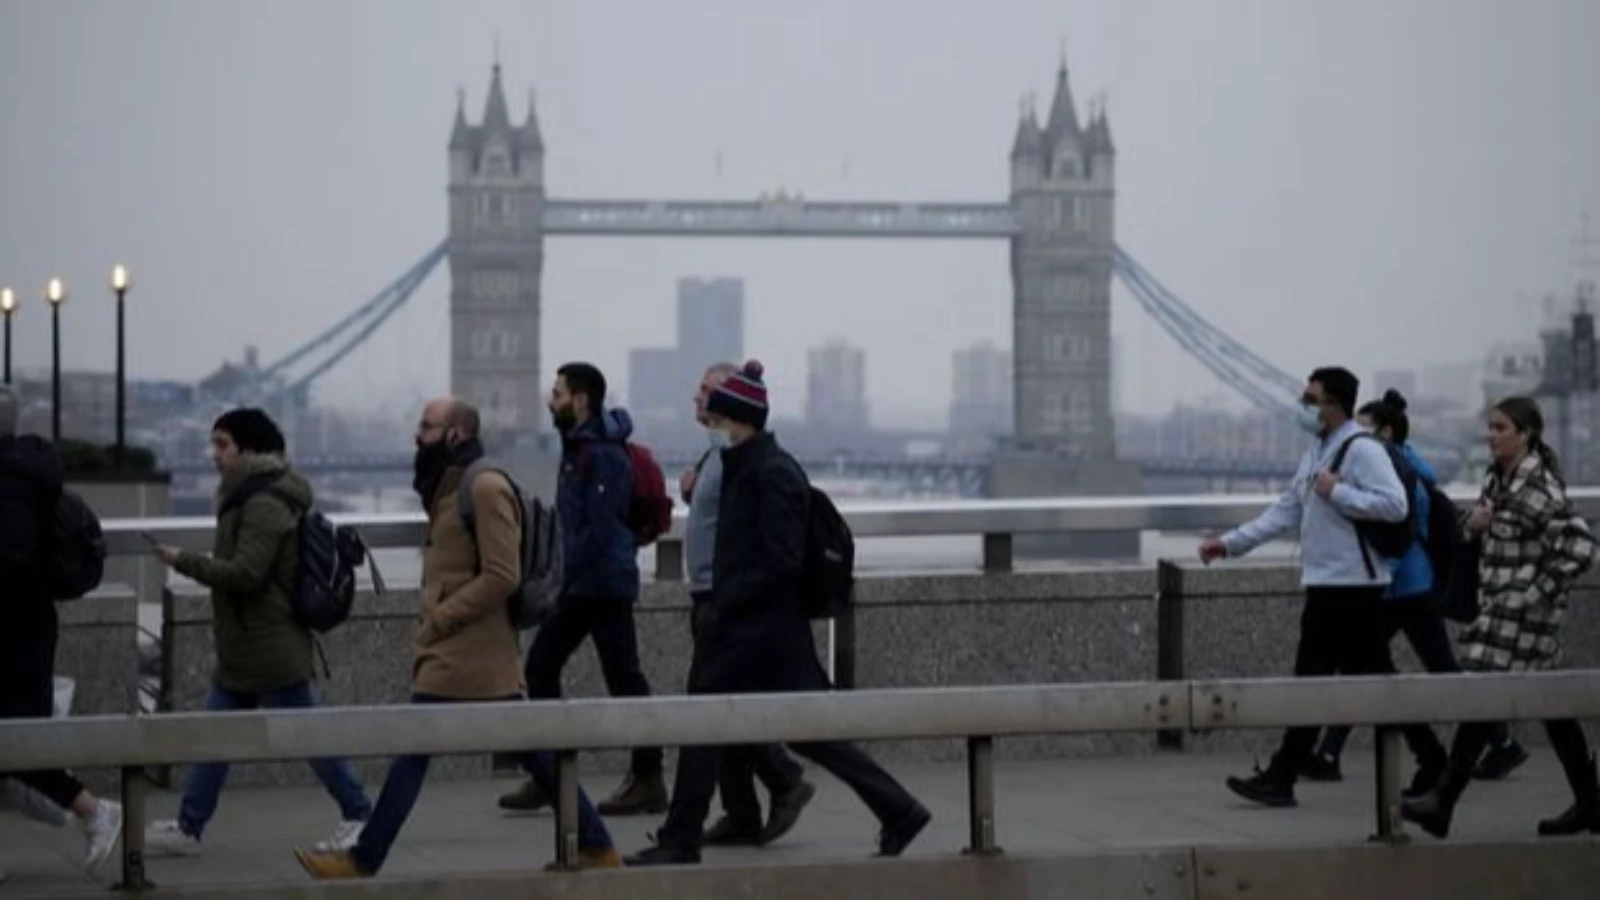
601, 571
465, 646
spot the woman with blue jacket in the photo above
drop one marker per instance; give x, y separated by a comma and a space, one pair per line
1411, 608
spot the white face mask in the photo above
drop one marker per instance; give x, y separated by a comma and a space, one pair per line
718, 439
1309, 418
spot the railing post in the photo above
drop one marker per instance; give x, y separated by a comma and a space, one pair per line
669, 559
1391, 827
133, 786
1169, 638
844, 648
997, 552
567, 809
980, 797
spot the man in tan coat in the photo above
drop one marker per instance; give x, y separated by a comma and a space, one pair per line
465, 647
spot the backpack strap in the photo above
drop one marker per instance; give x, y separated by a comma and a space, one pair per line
1338, 460
467, 507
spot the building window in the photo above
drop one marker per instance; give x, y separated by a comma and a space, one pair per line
497, 208
1072, 347
1080, 213
496, 284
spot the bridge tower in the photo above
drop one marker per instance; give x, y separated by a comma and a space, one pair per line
1063, 193
496, 255
1063, 184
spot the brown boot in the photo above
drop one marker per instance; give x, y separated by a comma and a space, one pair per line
637, 795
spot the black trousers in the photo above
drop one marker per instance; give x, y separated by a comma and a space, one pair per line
27, 686
609, 620
770, 665
1424, 628
743, 764
1566, 738
1342, 633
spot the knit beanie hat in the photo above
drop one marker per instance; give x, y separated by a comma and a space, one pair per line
252, 430
741, 397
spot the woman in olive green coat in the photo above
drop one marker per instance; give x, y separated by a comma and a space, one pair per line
263, 650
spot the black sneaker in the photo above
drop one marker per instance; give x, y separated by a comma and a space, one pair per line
663, 855
1427, 778
1321, 767
1501, 761
526, 798
786, 811
894, 839
728, 833
1265, 788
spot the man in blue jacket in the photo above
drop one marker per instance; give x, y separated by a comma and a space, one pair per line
601, 568
1341, 625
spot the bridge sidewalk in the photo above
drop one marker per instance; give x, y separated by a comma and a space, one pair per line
1042, 807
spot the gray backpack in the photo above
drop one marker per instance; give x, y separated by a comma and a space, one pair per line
535, 598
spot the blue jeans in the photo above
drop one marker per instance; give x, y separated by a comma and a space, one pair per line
205, 780
404, 785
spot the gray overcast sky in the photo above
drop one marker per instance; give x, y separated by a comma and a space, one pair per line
1369, 181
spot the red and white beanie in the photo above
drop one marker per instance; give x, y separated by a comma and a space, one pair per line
741, 397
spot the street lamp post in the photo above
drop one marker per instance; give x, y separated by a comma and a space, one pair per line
8, 305
55, 294
119, 286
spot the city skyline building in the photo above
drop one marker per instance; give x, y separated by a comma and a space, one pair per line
836, 387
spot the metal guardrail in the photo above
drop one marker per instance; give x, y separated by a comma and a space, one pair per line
996, 521
977, 714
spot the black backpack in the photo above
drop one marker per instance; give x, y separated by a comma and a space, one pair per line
543, 558
1390, 540
324, 591
827, 578
77, 548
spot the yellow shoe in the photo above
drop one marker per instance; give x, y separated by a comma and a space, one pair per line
593, 859
326, 865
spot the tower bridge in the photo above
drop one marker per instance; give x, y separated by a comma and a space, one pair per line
1058, 220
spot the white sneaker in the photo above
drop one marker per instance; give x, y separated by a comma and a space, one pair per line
166, 838
102, 833
343, 838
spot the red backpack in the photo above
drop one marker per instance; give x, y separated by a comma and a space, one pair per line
650, 507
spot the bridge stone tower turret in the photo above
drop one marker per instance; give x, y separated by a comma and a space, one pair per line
496, 257
1063, 192
1063, 195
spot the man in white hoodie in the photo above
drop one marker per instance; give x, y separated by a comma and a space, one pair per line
1341, 629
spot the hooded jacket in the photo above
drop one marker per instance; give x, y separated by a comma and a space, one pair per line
593, 494
254, 561
30, 482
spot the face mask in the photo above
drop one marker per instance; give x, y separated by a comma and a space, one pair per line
1309, 418
719, 439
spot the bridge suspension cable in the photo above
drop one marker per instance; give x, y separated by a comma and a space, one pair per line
1235, 365
349, 332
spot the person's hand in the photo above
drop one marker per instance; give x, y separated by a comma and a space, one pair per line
686, 483
1481, 516
168, 554
1326, 482
1212, 549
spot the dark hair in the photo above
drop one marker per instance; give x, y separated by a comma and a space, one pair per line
1341, 386
1527, 419
252, 430
1390, 413
583, 378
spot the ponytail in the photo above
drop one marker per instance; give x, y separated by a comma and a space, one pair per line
1548, 458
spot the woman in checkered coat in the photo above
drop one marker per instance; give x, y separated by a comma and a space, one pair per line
1533, 547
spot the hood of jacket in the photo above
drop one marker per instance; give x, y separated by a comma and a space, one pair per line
612, 425
265, 469
1422, 467
33, 458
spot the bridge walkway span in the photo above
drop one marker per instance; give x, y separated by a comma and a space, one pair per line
1115, 827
